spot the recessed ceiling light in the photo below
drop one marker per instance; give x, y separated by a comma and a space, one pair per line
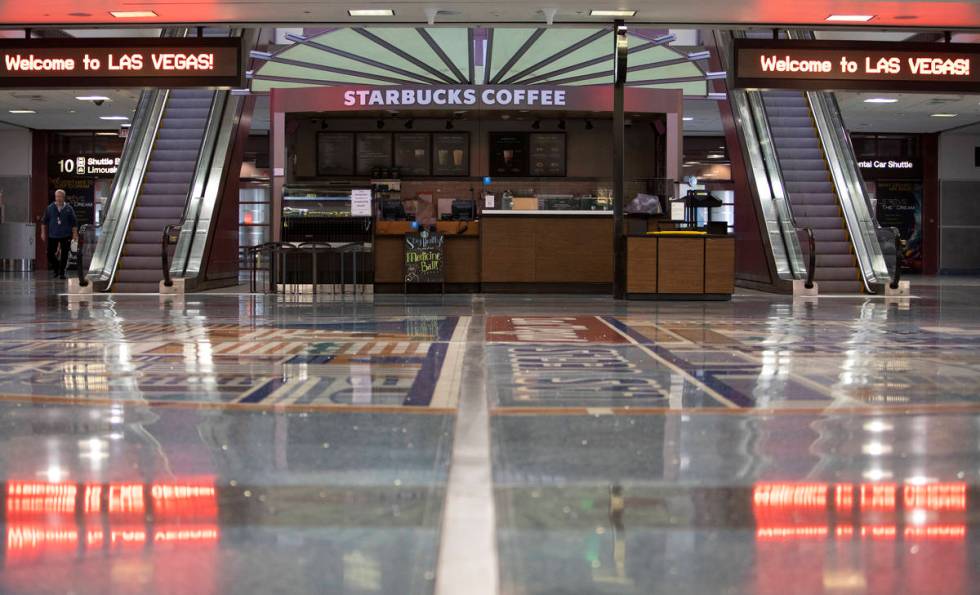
133, 14
113, 118
850, 18
22, 111
881, 100
944, 115
612, 13
371, 12
106, 134
93, 98
687, 118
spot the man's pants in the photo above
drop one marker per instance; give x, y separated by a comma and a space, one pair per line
60, 262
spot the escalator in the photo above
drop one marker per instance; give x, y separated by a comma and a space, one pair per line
166, 184
810, 190
178, 162
803, 175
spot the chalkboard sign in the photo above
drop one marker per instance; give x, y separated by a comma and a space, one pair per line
335, 154
373, 151
508, 154
423, 258
412, 155
547, 154
451, 154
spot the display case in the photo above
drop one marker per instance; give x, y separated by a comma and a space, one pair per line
322, 214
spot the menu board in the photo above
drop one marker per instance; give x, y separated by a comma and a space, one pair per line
335, 154
547, 154
509, 154
373, 151
423, 258
451, 154
412, 154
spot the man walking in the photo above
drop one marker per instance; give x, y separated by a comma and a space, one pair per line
59, 227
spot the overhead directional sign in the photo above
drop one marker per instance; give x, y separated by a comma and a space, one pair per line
869, 66
121, 62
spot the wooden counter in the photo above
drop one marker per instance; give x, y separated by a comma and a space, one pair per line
680, 267
461, 253
542, 252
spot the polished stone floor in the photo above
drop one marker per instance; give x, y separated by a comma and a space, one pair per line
520, 445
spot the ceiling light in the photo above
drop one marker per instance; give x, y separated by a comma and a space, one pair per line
22, 111
133, 14
944, 115
881, 100
106, 134
687, 118
93, 98
371, 12
113, 118
715, 156
850, 18
612, 13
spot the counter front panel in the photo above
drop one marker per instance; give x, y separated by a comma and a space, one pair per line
552, 251
680, 267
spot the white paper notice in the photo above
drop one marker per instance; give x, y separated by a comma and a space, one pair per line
360, 204
489, 201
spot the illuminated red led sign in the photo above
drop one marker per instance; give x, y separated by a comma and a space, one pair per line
869, 66
122, 62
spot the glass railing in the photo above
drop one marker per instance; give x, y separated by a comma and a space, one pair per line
210, 176
764, 175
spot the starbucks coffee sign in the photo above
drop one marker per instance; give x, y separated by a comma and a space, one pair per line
455, 97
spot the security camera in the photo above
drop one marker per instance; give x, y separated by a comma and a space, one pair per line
98, 101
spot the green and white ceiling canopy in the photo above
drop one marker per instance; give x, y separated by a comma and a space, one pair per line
476, 55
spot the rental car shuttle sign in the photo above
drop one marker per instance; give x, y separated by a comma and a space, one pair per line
871, 66
121, 62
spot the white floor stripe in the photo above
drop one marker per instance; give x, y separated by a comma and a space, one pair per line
468, 549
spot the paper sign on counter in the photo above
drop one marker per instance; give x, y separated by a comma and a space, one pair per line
360, 205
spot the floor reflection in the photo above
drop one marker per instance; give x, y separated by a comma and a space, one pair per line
766, 538
191, 535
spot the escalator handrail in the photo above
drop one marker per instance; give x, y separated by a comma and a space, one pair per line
206, 185
850, 186
812, 268
126, 186
764, 175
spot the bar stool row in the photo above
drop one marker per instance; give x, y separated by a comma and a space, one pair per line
280, 253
